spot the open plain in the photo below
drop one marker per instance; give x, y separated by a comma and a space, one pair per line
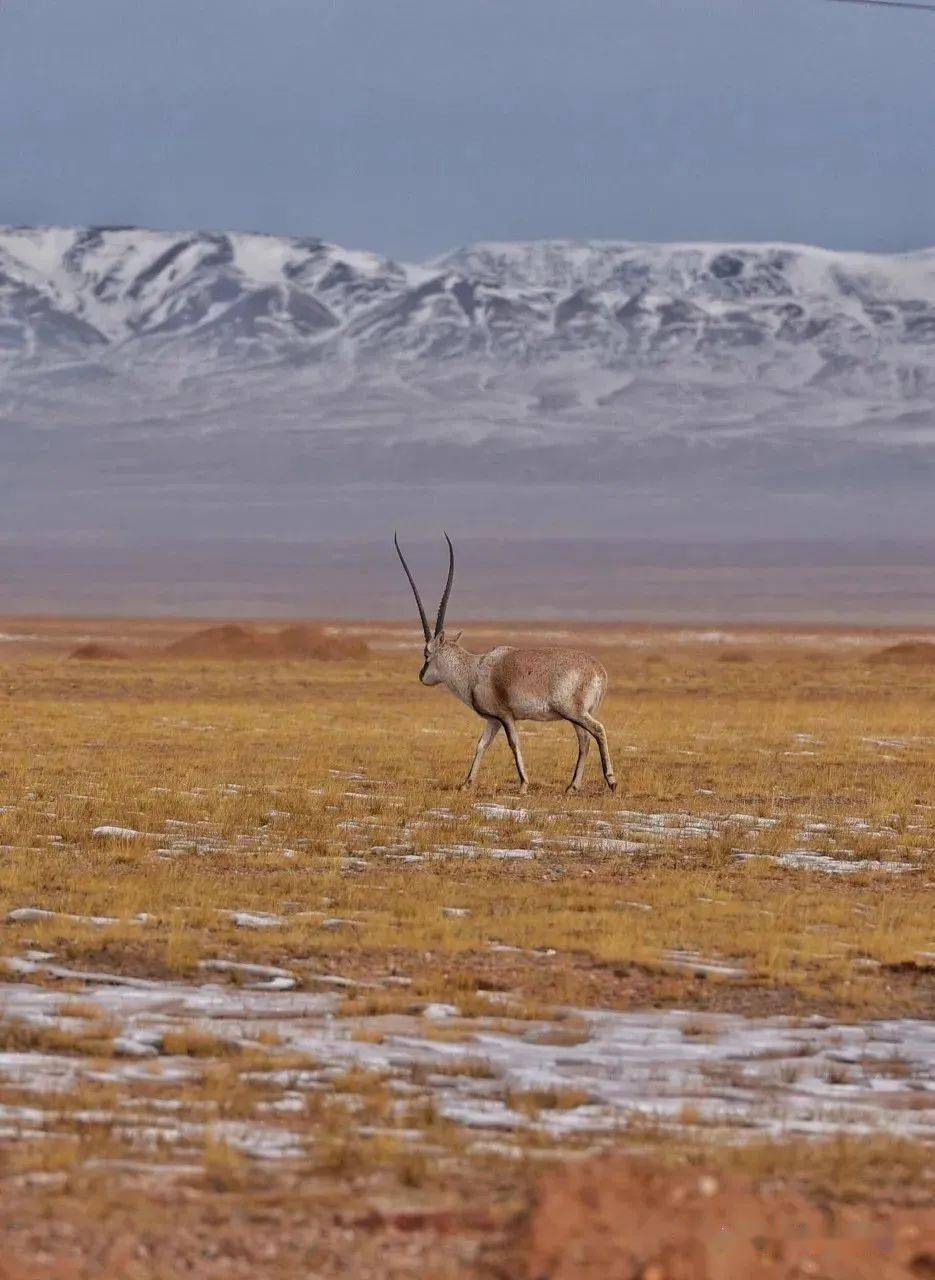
276, 999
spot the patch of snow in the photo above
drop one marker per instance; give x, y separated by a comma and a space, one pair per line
266, 977
502, 812
767, 1076
439, 1012
691, 962
807, 860
600, 844
255, 919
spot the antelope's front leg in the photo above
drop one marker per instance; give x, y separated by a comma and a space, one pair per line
488, 733
512, 737
584, 741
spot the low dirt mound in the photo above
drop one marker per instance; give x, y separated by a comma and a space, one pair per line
909, 653
624, 1220
95, 652
230, 640
304, 641
299, 642
735, 655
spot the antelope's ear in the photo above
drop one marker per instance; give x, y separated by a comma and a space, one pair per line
457, 637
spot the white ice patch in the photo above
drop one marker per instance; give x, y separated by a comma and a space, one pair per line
774, 1076
807, 860
439, 1012
261, 977
691, 962
255, 919
25, 915
600, 844
502, 812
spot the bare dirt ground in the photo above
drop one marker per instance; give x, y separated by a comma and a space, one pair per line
275, 999
625, 1220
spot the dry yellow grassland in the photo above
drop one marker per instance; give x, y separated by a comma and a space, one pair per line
243, 774
305, 816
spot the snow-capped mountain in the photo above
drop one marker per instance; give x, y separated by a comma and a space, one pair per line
245, 362
797, 315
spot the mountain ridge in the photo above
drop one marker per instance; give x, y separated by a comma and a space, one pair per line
72, 291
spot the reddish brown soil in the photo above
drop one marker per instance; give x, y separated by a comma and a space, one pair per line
304, 641
229, 640
606, 1219
624, 1220
95, 652
910, 653
341, 1231
301, 642
735, 655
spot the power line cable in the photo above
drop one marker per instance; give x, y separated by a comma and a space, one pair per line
890, 4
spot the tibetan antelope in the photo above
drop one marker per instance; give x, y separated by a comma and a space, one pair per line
504, 685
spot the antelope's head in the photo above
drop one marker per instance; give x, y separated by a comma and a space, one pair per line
439, 649
441, 659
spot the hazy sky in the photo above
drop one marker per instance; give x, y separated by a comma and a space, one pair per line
410, 126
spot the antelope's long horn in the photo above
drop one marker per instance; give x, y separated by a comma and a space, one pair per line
415, 591
443, 607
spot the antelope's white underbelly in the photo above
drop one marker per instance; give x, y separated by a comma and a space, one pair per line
532, 709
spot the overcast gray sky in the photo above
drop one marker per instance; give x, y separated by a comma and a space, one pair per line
410, 126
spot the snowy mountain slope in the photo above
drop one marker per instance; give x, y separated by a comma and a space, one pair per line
126, 285
794, 315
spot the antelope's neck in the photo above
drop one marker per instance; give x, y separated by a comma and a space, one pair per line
462, 674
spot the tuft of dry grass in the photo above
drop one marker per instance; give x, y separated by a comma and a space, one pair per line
82, 1009
226, 1168
17, 1036
844, 1167
533, 1101
196, 1042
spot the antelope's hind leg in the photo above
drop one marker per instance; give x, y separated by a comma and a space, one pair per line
599, 734
488, 733
584, 742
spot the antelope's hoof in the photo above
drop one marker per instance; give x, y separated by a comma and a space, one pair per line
571, 789
524, 787
612, 783
466, 786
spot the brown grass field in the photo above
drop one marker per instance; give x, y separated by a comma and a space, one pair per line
302, 1008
